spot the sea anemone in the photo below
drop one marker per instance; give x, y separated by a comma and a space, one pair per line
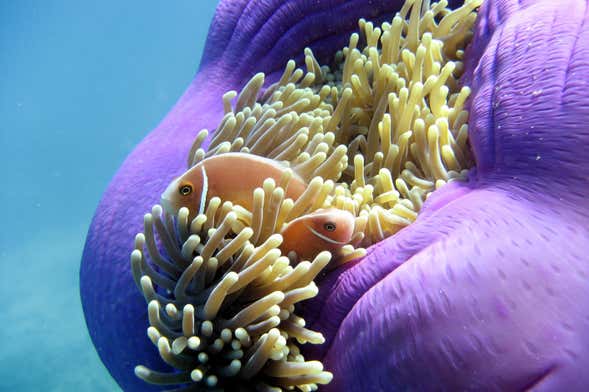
374, 134
486, 289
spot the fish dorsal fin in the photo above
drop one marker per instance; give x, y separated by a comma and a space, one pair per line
280, 165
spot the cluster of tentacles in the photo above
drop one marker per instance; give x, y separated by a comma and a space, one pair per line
383, 127
222, 315
374, 133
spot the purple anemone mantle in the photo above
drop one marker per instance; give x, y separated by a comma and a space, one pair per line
488, 289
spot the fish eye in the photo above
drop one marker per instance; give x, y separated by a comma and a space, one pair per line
329, 226
185, 190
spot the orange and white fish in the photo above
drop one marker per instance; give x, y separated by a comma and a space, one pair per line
325, 229
231, 176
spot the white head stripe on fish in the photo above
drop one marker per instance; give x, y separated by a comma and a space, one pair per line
324, 237
205, 189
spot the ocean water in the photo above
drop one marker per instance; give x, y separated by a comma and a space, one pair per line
81, 83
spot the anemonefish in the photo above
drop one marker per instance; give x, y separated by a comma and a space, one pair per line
231, 176
325, 229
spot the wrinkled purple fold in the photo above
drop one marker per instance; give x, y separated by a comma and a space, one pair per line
490, 290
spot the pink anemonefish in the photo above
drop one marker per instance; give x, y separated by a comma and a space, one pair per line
231, 176
325, 229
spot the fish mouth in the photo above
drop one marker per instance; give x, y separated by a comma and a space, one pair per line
166, 204
166, 199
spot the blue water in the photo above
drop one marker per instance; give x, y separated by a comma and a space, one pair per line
81, 82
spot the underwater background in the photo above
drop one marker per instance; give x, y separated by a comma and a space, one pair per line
81, 83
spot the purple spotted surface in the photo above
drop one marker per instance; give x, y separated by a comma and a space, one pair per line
488, 289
